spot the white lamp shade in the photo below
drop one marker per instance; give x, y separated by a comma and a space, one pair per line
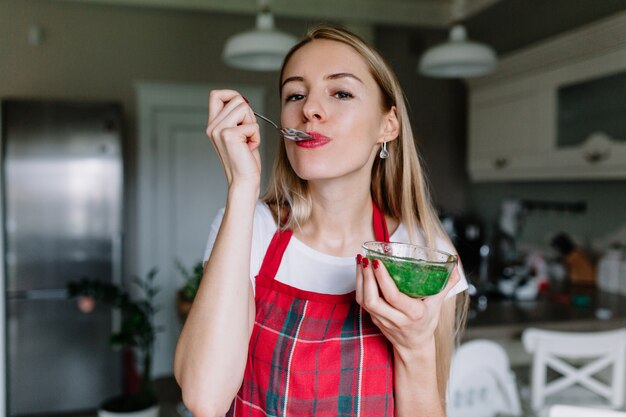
458, 58
261, 49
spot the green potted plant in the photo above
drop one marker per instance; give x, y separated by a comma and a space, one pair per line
187, 293
136, 335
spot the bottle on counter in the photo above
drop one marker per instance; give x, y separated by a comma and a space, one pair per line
612, 271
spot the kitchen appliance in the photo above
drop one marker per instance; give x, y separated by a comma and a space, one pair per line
468, 237
61, 170
506, 258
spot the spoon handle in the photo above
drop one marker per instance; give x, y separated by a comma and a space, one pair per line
286, 133
266, 119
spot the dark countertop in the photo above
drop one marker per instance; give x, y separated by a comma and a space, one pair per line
506, 319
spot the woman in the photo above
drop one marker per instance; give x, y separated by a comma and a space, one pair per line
282, 323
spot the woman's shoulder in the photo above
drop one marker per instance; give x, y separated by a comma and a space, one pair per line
403, 235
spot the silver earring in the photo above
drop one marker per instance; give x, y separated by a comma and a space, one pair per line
384, 154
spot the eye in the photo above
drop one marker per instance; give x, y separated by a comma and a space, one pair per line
343, 95
294, 97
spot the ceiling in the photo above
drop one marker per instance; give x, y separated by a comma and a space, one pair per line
419, 13
506, 25
513, 24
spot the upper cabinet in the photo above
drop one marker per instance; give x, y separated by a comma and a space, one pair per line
556, 110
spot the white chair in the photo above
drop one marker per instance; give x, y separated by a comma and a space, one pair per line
481, 382
577, 357
571, 411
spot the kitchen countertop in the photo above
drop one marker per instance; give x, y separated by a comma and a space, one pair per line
506, 319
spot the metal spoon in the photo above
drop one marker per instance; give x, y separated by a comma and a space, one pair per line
287, 132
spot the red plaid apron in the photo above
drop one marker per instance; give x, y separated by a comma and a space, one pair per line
313, 354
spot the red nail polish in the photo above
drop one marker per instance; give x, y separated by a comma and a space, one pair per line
245, 99
359, 258
365, 262
375, 264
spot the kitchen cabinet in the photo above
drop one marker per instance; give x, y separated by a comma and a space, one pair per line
527, 118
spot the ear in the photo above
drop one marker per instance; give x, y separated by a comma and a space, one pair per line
390, 127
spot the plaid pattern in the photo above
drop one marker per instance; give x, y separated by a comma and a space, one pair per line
313, 354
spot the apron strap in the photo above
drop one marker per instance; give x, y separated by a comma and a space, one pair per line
278, 245
274, 254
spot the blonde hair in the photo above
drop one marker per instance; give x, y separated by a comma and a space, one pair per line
398, 184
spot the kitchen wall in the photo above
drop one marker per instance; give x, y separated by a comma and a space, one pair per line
439, 111
601, 225
98, 52
438, 114
509, 26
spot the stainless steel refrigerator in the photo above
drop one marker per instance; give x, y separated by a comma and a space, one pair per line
62, 204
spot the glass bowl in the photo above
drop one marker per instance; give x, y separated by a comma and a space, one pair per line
418, 271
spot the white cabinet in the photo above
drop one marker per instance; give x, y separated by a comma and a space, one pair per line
515, 128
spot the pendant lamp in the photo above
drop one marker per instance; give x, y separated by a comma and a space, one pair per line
260, 49
458, 57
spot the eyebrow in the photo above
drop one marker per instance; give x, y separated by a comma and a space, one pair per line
328, 77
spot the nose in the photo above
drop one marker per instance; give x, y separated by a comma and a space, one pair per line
313, 109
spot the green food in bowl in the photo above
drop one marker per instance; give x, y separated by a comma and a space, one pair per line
417, 271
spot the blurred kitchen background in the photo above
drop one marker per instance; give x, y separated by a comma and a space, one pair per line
527, 164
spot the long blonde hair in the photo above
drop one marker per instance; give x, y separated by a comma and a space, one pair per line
398, 184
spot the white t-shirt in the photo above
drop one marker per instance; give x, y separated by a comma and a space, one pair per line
306, 268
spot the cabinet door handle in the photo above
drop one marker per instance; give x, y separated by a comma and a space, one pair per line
594, 157
500, 163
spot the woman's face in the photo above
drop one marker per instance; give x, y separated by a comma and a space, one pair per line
328, 91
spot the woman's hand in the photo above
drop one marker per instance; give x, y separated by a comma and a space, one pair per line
234, 133
408, 323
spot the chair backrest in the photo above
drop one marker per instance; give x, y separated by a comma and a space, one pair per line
571, 411
481, 382
553, 349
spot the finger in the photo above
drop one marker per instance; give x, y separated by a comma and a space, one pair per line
359, 280
239, 116
230, 118
233, 146
217, 101
246, 133
370, 288
391, 293
236, 148
372, 301
233, 113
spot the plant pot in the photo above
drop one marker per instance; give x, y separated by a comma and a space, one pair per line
152, 411
183, 305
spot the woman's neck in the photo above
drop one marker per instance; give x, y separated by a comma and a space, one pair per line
341, 217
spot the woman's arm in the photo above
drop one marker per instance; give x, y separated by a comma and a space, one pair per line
410, 325
212, 349
416, 386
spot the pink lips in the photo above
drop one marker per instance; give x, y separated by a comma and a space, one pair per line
317, 140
